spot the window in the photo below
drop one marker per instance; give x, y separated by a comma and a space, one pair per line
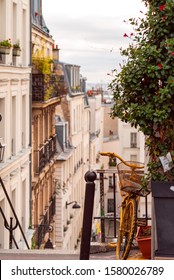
112, 161
110, 182
23, 136
110, 205
133, 140
13, 126
2, 118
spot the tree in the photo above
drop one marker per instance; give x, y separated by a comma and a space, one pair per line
144, 88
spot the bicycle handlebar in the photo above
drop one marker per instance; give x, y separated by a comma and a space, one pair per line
113, 155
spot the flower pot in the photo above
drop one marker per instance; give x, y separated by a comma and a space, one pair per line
143, 239
16, 51
4, 50
163, 194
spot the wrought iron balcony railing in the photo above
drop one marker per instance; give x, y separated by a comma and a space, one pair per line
44, 154
43, 227
45, 87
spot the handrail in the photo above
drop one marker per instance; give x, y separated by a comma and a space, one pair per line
113, 155
14, 213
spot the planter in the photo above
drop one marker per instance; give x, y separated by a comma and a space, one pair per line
4, 50
16, 51
143, 239
163, 194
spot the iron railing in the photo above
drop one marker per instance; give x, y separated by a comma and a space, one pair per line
43, 227
43, 155
45, 86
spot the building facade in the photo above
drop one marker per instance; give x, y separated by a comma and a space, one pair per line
45, 97
73, 158
15, 137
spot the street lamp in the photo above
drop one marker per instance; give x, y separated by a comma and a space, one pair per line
75, 206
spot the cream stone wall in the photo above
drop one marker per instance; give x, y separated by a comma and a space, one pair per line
15, 124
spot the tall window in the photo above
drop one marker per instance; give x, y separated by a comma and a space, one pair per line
133, 140
2, 27
110, 205
2, 118
13, 126
23, 121
24, 34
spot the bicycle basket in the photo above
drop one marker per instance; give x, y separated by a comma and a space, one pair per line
130, 177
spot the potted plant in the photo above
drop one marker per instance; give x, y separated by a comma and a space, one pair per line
16, 49
5, 46
144, 97
143, 239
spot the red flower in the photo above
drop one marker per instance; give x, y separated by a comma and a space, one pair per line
162, 7
159, 65
125, 35
163, 18
132, 34
172, 53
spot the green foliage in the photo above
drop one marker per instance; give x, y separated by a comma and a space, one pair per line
16, 45
6, 43
33, 244
41, 63
144, 88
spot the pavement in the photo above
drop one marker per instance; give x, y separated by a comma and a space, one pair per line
133, 255
98, 252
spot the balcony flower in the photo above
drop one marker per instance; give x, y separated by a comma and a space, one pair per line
5, 46
16, 49
16, 45
6, 43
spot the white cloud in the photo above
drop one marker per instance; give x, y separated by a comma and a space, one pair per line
90, 33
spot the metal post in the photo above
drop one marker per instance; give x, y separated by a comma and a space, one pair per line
102, 207
114, 183
90, 177
146, 210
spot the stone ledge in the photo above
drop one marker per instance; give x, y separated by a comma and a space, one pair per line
38, 255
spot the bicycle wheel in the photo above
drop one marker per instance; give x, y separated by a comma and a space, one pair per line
127, 229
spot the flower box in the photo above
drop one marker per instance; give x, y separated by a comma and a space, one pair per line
16, 51
5, 50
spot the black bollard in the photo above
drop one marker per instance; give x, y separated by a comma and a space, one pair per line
90, 177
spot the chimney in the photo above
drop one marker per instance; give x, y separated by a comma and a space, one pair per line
56, 52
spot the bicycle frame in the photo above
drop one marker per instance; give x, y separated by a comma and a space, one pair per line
128, 216
113, 155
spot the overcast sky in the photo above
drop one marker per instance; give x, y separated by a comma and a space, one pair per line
90, 33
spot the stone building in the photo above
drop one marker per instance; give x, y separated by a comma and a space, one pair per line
45, 97
15, 134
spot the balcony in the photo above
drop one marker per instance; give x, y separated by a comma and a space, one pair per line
44, 154
45, 87
43, 227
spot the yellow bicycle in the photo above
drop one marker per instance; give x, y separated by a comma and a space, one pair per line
130, 178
